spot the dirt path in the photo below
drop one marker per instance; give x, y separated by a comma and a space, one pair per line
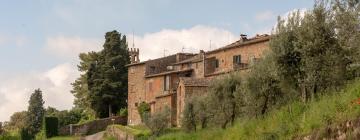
97, 136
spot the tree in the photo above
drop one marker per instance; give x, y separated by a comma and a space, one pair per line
222, 99
65, 117
17, 120
188, 121
80, 87
35, 113
347, 25
263, 86
307, 52
107, 76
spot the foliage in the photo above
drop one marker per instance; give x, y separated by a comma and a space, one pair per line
263, 86
50, 126
65, 117
107, 76
123, 112
35, 113
144, 110
25, 134
80, 87
307, 52
290, 121
17, 121
158, 121
9, 136
188, 122
222, 99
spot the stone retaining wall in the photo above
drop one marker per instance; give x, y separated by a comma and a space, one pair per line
91, 127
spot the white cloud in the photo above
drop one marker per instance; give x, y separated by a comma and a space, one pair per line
17, 40
55, 84
193, 40
264, 16
70, 47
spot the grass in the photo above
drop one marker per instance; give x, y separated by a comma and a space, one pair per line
293, 120
138, 131
64, 138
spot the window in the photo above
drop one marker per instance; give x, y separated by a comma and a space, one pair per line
189, 65
152, 69
216, 63
237, 59
167, 83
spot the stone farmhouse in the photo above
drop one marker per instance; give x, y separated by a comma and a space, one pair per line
169, 81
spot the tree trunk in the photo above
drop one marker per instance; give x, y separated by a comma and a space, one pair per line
223, 126
303, 92
110, 111
263, 110
203, 123
233, 113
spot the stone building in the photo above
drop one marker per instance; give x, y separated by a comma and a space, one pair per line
169, 81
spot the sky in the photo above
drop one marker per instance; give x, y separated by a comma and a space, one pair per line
40, 39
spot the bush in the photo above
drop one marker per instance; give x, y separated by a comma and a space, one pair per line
222, 99
123, 112
25, 135
188, 121
158, 121
50, 127
143, 109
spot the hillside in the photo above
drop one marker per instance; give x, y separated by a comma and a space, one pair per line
292, 121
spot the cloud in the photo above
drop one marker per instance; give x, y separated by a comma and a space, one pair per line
152, 45
71, 47
16, 40
55, 84
264, 16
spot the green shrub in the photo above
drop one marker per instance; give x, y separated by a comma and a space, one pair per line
50, 126
25, 135
123, 112
188, 121
158, 121
143, 109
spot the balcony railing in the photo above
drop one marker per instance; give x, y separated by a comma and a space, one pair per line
240, 66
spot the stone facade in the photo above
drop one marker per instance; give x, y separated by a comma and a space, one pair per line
170, 81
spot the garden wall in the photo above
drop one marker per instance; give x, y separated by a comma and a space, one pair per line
91, 127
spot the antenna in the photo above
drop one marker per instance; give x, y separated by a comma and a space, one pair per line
133, 45
182, 50
210, 46
164, 51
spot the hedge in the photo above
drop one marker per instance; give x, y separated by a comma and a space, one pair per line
51, 126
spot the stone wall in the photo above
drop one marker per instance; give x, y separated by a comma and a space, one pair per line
91, 127
136, 92
225, 57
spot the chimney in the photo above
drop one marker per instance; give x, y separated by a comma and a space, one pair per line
243, 37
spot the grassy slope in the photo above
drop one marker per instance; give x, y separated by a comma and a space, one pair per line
290, 121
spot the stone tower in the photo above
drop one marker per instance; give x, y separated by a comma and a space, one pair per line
134, 55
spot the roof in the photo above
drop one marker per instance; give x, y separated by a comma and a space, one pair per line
196, 58
195, 82
168, 72
143, 62
239, 43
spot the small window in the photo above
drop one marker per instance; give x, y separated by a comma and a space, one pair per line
166, 83
136, 104
189, 65
152, 69
237, 59
216, 63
